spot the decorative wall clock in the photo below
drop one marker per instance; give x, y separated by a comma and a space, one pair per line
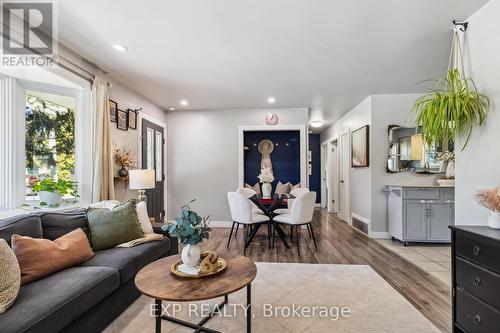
272, 119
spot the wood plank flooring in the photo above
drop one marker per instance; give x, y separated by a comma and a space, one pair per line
339, 243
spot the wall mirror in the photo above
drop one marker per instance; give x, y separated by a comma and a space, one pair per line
408, 151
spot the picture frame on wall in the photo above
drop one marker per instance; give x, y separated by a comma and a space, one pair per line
122, 119
113, 107
360, 147
132, 119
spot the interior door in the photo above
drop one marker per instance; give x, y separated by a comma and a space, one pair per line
344, 164
153, 143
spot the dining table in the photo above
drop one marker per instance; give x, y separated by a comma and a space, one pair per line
268, 206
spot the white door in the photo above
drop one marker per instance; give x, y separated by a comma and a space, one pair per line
324, 175
333, 177
344, 208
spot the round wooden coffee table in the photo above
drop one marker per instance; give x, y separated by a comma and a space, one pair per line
156, 281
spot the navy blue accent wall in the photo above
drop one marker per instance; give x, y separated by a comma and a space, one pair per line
285, 157
315, 177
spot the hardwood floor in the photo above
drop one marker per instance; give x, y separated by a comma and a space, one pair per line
339, 243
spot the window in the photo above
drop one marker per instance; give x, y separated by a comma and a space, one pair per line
49, 138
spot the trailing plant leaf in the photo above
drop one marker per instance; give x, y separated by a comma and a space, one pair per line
451, 109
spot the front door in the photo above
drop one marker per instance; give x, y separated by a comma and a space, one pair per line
153, 143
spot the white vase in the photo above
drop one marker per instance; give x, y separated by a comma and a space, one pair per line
450, 170
50, 198
190, 259
266, 190
494, 220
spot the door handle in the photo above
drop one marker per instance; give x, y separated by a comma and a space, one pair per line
341, 181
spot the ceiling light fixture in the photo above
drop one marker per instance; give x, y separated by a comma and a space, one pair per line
184, 102
271, 100
171, 108
316, 123
119, 47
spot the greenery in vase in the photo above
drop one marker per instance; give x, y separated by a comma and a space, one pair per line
451, 109
189, 227
62, 186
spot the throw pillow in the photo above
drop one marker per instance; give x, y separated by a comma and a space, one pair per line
143, 216
109, 228
40, 257
282, 189
255, 187
10, 276
293, 187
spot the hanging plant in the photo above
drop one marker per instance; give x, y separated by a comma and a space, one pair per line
454, 106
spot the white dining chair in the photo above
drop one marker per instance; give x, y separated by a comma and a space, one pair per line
293, 194
241, 213
248, 193
301, 213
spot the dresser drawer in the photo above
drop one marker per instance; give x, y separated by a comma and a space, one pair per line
421, 193
474, 316
480, 251
478, 282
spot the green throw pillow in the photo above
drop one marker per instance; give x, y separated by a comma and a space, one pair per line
109, 228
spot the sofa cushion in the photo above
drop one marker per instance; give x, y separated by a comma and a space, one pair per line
129, 261
56, 224
24, 225
10, 276
50, 304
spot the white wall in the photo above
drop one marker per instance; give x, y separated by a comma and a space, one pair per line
202, 149
478, 166
130, 139
359, 178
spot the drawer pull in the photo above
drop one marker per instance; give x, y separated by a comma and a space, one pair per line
477, 319
477, 281
476, 250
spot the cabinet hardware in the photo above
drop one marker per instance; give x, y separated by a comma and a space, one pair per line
477, 319
476, 250
477, 281
450, 201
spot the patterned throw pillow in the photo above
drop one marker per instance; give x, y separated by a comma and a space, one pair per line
256, 187
10, 276
39, 257
282, 189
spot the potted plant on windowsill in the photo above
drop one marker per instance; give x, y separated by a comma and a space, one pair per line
191, 229
51, 192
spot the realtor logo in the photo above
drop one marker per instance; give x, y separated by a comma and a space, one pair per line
27, 28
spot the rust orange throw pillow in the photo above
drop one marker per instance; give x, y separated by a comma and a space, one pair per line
40, 257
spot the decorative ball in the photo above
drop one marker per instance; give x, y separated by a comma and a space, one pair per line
272, 119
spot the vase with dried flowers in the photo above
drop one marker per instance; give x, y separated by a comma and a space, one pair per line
491, 200
448, 159
266, 177
125, 159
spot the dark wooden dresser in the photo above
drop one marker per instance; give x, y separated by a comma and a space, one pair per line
476, 279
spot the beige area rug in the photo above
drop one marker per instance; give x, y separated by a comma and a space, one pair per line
373, 305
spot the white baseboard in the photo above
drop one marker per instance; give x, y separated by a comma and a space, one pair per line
380, 234
221, 224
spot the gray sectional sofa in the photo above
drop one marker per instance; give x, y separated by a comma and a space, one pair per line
85, 298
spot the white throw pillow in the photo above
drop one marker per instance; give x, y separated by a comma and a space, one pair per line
142, 214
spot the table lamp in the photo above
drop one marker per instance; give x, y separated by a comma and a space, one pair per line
141, 180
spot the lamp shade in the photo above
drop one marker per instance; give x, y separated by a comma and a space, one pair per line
141, 179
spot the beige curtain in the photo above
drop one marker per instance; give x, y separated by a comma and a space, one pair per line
102, 154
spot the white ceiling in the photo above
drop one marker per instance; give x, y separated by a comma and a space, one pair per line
323, 54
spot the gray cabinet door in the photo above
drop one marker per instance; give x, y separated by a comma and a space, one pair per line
440, 216
415, 220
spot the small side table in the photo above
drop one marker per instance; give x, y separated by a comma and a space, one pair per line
156, 281
173, 240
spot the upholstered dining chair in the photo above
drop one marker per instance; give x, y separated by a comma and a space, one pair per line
241, 213
301, 213
293, 194
248, 193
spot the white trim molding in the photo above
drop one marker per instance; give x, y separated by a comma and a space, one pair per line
304, 178
379, 234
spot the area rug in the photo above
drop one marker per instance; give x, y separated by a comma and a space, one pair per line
297, 298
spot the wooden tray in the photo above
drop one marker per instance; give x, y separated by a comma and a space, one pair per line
221, 265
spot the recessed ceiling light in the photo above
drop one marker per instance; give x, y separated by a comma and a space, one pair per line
184, 102
119, 47
316, 123
171, 108
271, 100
